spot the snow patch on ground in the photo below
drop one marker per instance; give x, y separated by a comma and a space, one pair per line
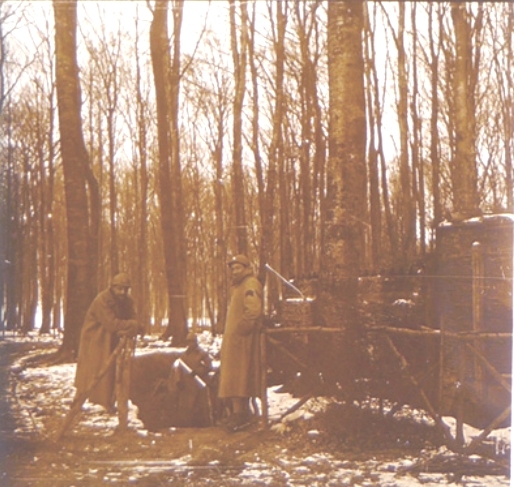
54, 391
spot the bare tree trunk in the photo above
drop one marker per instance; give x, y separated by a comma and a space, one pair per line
259, 171
142, 275
169, 166
418, 170
375, 216
506, 102
464, 171
12, 232
304, 258
239, 51
177, 326
113, 199
27, 297
509, 111
392, 249
275, 147
81, 274
434, 110
221, 244
342, 255
407, 210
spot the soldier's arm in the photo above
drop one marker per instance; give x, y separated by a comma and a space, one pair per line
252, 308
110, 321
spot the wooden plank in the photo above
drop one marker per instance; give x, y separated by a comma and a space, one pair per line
80, 399
445, 429
499, 377
123, 364
286, 352
264, 382
470, 449
401, 331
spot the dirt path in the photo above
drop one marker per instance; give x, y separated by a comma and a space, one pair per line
14, 450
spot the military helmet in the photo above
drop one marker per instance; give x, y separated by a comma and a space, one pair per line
240, 259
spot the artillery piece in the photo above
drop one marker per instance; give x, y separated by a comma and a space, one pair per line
439, 338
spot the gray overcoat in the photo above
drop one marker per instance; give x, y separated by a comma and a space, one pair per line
104, 318
239, 368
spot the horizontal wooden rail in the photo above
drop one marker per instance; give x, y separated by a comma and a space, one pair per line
465, 335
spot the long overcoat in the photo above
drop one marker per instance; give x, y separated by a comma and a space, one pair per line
106, 316
239, 367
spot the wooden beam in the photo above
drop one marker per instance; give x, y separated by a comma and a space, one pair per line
122, 383
263, 377
391, 329
80, 399
468, 335
284, 350
490, 367
445, 429
470, 449
296, 406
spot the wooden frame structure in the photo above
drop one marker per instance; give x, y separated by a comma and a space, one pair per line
465, 340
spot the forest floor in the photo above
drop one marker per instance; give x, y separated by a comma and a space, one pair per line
323, 443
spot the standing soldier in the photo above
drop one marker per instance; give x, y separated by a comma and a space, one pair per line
110, 314
239, 371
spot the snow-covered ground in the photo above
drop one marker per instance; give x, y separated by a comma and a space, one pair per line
55, 386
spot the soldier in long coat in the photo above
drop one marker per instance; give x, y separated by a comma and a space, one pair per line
112, 312
239, 367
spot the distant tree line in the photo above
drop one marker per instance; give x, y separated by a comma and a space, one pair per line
320, 138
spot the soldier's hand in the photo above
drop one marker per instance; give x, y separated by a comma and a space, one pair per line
131, 329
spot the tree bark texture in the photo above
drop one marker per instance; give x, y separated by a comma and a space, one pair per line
342, 254
239, 52
407, 211
434, 111
346, 195
463, 167
81, 274
169, 170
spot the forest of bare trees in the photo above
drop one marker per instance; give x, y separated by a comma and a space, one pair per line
324, 138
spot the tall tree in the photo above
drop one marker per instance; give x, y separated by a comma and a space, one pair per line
177, 326
418, 170
106, 60
167, 79
509, 109
276, 146
407, 211
142, 295
463, 167
342, 255
239, 47
375, 215
434, 114
80, 276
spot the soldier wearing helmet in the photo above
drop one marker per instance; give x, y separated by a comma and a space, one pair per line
239, 373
